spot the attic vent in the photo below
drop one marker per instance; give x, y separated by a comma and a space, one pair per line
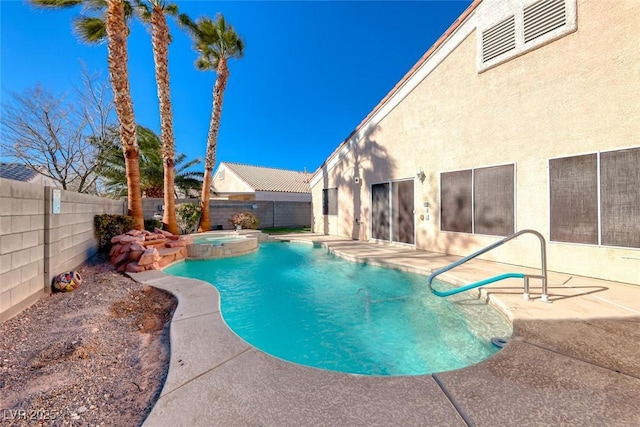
543, 17
498, 39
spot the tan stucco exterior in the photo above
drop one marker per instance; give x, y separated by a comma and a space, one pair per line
575, 95
227, 182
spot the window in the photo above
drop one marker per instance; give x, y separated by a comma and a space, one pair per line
478, 200
575, 185
493, 208
573, 200
455, 201
620, 197
330, 201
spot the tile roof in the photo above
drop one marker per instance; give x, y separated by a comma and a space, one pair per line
17, 172
271, 179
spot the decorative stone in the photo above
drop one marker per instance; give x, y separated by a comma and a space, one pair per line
162, 232
115, 250
67, 281
137, 246
176, 244
149, 256
188, 238
123, 256
135, 255
134, 267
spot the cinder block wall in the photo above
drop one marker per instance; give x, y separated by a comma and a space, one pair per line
36, 245
22, 274
292, 214
270, 214
70, 234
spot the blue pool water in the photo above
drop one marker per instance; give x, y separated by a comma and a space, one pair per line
301, 304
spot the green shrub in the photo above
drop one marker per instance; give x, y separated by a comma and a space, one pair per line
107, 226
152, 224
244, 220
188, 215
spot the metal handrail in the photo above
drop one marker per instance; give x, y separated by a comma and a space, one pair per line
526, 277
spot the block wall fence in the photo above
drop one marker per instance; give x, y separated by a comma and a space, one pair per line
271, 214
37, 244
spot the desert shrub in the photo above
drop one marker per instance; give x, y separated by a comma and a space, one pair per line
244, 220
106, 226
188, 217
152, 224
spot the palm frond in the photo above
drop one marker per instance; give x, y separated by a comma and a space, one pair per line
172, 10
90, 29
142, 9
94, 5
55, 3
187, 23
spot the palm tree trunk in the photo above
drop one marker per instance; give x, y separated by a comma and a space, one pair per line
160, 42
117, 33
212, 141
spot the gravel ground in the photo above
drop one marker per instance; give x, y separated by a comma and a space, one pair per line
96, 356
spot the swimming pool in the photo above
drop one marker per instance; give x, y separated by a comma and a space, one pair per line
303, 305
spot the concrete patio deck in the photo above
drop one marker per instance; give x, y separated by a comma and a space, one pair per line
575, 361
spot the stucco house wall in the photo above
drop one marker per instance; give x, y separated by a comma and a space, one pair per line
576, 95
226, 181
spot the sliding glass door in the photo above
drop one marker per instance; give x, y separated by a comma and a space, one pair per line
380, 211
392, 212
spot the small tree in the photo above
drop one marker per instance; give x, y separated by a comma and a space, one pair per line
60, 136
244, 220
188, 215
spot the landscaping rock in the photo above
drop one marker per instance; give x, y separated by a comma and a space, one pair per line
176, 244
139, 250
149, 256
134, 267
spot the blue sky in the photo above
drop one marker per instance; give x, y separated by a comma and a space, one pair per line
311, 71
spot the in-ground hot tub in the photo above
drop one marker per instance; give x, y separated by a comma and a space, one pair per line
222, 245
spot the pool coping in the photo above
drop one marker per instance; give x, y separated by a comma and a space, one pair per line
554, 369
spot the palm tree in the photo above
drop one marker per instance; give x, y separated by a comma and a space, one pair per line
216, 42
113, 172
160, 39
111, 23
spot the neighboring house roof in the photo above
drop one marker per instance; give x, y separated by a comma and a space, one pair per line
270, 179
21, 172
17, 172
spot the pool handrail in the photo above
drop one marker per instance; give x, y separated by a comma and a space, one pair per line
543, 255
